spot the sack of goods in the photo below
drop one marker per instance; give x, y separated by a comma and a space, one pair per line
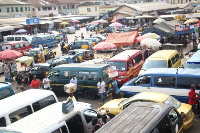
70, 88
112, 72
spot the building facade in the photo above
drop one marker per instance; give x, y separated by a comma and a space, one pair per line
15, 9
89, 8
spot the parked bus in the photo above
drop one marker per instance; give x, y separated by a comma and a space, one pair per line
87, 78
173, 81
18, 38
46, 40
128, 64
23, 104
194, 61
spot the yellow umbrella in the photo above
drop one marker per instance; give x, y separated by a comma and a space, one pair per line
192, 20
25, 59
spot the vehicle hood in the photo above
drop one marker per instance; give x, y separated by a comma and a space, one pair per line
113, 103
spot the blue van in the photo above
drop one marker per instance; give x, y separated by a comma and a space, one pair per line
194, 61
173, 81
65, 59
46, 40
6, 90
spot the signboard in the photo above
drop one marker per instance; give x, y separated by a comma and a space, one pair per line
67, 107
179, 28
32, 21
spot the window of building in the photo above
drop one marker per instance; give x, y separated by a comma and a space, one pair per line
33, 9
54, 8
16, 9
19, 114
0, 9
43, 103
181, 1
29, 9
164, 81
95, 9
21, 9
173, 1
49, 8
178, 1
8, 9
12, 9
39, 9
88, 9
44, 8
64, 7
73, 6
59, 7
25, 8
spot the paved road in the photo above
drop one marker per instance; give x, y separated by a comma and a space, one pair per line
95, 103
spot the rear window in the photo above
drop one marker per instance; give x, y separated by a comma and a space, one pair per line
10, 38
5, 93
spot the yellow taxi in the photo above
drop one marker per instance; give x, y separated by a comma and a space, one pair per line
117, 105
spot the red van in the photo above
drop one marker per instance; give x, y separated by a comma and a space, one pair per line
20, 46
128, 64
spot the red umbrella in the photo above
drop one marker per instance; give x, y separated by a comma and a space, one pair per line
104, 46
116, 24
140, 38
94, 22
9, 54
114, 20
75, 21
102, 21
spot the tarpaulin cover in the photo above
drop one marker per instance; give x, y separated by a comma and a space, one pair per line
122, 38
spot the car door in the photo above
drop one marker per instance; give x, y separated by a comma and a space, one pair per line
88, 115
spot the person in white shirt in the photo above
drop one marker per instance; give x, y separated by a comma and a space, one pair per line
101, 91
74, 81
46, 82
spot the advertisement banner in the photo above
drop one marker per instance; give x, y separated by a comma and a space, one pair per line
182, 29
32, 21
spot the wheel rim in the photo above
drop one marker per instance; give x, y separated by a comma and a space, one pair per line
89, 94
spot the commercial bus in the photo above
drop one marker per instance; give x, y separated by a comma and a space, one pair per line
6, 90
194, 61
162, 59
23, 104
128, 64
46, 40
87, 78
173, 81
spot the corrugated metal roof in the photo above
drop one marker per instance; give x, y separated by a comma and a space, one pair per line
11, 2
41, 3
152, 6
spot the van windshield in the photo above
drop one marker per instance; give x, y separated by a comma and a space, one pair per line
193, 65
154, 64
172, 102
120, 65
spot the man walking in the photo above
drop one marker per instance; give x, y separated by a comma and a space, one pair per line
193, 97
74, 81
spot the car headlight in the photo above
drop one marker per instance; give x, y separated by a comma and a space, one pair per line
121, 77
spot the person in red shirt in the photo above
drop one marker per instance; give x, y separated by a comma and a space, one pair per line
192, 97
35, 83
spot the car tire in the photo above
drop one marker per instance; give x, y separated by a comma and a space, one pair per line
89, 94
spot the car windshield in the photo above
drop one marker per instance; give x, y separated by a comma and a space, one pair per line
154, 64
172, 102
193, 65
120, 65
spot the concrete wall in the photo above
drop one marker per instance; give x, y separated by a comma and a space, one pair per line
84, 10
10, 11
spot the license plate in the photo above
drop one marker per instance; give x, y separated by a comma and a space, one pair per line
110, 85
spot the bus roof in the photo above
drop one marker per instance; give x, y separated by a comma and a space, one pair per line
161, 55
173, 71
123, 56
80, 65
45, 118
195, 57
21, 99
139, 117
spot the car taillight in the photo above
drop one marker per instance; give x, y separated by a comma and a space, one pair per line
185, 117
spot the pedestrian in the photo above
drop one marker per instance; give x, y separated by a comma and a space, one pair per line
71, 96
101, 91
19, 80
63, 36
42, 56
82, 37
75, 39
74, 81
62, 44
193, 39
87, 29
46, 82
91, 35
162, 40
35, 83
66, 38
115, 89
193, 97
